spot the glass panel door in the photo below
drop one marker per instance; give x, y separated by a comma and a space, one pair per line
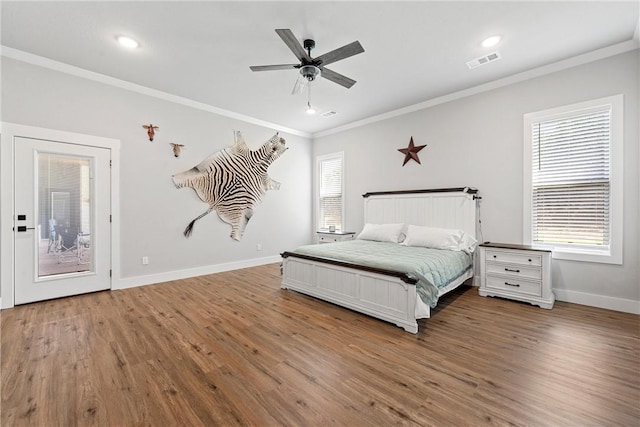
62, 219
64, 214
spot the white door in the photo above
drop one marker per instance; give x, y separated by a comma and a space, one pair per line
62, 219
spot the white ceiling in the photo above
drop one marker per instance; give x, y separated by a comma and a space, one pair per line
414, 51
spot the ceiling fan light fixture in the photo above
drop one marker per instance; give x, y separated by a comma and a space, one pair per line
310, 72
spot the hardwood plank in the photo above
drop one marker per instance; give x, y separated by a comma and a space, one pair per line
235, 349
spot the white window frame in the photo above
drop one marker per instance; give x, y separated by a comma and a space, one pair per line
613, 254
319, 160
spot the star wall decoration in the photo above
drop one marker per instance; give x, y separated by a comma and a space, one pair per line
411, 152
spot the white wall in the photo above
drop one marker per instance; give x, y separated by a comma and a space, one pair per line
153, 212
478, 141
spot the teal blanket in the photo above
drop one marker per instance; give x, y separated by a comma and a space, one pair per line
433, 268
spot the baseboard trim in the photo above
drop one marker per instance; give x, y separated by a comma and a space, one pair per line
132, 282
600, 301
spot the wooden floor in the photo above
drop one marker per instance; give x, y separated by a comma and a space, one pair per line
234, 349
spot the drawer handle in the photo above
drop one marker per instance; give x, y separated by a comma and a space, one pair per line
512, 271
529, 259
512, 284
495, 256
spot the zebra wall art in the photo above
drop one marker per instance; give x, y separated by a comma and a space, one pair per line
233, 181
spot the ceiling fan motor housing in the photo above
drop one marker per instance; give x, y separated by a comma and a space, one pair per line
309, 44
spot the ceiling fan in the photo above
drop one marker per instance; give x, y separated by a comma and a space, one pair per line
309, 67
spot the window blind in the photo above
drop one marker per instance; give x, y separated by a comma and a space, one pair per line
571, 179
330, 203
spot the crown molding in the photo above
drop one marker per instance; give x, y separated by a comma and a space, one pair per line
506, 81
62, 67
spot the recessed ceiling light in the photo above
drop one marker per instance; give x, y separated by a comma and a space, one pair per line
491, 41
127, 42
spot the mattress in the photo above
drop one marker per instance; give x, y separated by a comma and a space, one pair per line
432, 268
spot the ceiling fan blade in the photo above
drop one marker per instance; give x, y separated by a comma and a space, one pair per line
340, 53
337, 78
292, 42
273, 67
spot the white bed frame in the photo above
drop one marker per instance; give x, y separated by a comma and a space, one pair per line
382, 294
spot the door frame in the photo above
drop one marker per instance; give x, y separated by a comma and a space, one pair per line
8, 132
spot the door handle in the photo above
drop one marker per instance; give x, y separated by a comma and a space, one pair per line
23, 228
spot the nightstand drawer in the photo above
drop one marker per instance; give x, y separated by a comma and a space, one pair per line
514, 270
514, 258
338, 236
514, 285
323, 238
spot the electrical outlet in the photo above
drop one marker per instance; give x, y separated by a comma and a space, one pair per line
258, 247
145, 260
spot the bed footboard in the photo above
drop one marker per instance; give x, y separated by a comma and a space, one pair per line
378, 295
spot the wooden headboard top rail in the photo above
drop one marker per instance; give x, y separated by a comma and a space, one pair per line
468, 190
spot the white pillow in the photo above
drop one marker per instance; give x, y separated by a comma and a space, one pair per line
468, 243
439, 238
382, 232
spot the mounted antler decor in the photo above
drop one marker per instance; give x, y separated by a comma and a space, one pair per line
151, 130
176, 148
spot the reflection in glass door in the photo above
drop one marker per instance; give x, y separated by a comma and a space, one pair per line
64, 214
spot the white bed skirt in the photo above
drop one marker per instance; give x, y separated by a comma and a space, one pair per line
423, 311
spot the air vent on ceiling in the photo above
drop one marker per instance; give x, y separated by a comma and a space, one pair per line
329, 113
483, 60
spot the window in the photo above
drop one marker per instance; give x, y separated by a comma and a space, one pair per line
330, 189
573, 180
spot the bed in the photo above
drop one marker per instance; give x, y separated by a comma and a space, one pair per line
395, 292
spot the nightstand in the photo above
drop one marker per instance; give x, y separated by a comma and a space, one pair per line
517, 272
335, 236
